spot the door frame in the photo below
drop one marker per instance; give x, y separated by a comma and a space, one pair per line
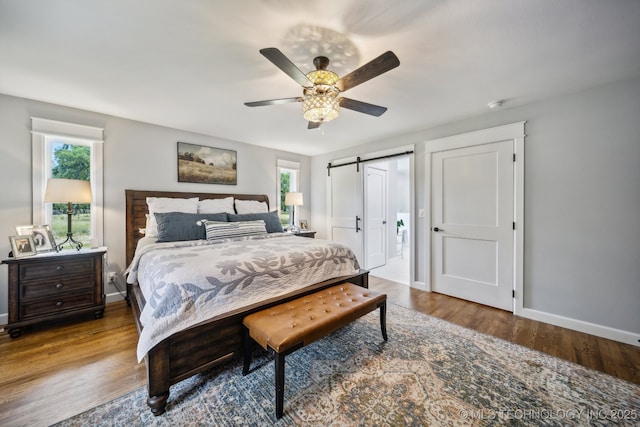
413, 238
514, 132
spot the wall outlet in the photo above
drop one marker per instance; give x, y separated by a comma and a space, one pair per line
112, 276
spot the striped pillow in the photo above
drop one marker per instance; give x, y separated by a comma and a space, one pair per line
227, 230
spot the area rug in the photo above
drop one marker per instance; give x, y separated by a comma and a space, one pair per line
430, 372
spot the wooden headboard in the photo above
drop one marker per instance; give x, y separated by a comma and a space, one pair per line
136, 210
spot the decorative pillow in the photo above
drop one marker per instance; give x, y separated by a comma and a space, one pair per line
250, 206
178, 226
271, 220
216, 205
167, 204
227, 230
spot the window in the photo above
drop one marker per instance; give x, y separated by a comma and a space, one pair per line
65, 150
288, 175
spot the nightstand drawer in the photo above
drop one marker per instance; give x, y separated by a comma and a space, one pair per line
53, 287
50, 306
56, 267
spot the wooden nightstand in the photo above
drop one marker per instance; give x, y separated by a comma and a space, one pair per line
52, 286
306, 233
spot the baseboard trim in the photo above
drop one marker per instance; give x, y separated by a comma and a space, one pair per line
581, 326
113, 297
419, 285
541, 316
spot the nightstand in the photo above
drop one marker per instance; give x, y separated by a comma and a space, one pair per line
52, 286
306, 233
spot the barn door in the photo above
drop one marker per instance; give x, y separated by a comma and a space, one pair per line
345, 209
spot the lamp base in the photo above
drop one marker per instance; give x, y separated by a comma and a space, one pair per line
70, 239
74, 243
293, 229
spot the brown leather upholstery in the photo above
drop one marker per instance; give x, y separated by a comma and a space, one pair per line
292, 325
312, 317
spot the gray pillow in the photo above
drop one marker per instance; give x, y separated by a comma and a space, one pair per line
178, 226
271, 220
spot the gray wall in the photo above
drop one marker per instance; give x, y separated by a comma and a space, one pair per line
582, 200
137, 156
582, 203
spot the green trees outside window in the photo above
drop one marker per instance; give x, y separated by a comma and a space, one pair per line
71, 162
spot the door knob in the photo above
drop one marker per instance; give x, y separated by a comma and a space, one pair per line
437, 229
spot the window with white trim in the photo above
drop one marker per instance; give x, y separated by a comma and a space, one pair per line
288, 176
67, 150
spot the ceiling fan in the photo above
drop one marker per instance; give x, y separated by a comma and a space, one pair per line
321, 88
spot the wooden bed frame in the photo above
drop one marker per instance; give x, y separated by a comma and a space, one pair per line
206, 344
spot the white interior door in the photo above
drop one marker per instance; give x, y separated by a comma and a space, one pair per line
472, 223
345, 209
375, 220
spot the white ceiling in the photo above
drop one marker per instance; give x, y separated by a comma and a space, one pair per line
191, 64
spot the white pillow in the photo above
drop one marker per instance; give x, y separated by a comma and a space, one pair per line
250, 206
167, 204
216, 205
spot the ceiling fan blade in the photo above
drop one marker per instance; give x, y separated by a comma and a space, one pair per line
273, 102
383, 63
314, 125
279, 60
362, 107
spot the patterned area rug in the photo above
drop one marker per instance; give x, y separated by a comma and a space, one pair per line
430, 372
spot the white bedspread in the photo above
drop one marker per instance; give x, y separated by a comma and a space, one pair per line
185, 283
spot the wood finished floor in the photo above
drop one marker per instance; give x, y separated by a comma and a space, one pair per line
50, 374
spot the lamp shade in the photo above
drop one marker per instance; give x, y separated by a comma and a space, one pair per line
61, 190
293, 199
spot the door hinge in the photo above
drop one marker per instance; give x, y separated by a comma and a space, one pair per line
513, 293
514, 225
514, 157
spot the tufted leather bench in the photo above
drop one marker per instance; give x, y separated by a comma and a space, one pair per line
292, 325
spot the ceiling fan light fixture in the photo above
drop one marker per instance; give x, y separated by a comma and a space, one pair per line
320, 108
323, 77
321, 88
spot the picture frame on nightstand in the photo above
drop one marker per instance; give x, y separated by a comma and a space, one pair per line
304, 225
24, 230
42, 236
22, 246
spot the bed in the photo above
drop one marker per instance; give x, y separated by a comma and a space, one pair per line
218, 338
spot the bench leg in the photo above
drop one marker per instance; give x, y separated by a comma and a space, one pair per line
383, 320
248, 348
279, 384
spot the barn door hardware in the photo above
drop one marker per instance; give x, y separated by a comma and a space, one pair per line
359, 160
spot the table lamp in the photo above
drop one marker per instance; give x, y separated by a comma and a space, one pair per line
293, 199
68, 191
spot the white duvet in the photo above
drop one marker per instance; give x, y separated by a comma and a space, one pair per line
185, 283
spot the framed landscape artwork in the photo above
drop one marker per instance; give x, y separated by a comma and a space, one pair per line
206, 165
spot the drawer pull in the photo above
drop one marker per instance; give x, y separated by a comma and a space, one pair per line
59, 304
59, 285
60, 267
